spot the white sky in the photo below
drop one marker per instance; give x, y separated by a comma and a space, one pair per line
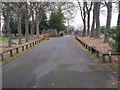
77, 21
103, 16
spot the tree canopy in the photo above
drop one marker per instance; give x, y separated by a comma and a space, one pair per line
56, 21
44, 23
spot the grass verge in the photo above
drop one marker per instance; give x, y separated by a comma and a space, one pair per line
7, 59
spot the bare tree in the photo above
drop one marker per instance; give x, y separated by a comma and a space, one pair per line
39, 9
83, 15
19, 29
93, 22
118, 22
108, 23
17, 8
6, 10
26, 22
0, 14
88, 8
32, 14
97, 30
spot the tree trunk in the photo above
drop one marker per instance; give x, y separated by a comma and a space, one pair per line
93, 22
108, 23
88, 8
38, 20
118, 22
97, 33
15, 34
0, 18
19, 29
8, 26
84, 19
58, 31
26, 25
118, 25
32, 27
84, 28
88, 21
37, 28
33, 21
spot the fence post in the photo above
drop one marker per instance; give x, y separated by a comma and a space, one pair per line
110, 59
86, 46
1, 56
11, 53
17, 50
92, 50
103, 58
89, 48
30, 45
33, 43
22, 48
97, 54
26, 46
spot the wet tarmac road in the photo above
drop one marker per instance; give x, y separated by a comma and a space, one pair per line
56, 63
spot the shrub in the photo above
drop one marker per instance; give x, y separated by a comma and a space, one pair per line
115, 34
102, 29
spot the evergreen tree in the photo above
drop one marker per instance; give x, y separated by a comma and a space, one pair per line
56, 21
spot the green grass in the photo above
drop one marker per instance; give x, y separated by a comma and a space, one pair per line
8, 58
5, 40
32, 38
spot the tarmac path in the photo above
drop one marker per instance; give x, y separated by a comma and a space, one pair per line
56, 63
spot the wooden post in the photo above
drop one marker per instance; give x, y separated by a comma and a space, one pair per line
86, 46
2, 57
82, 43
103, 58
33, 43
11, 53
97, 54
89, 48
30, 45
110, 60
22, 48
92, 50
27, 46
17, 50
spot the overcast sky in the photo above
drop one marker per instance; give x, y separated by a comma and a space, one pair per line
103, 16
77, 21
